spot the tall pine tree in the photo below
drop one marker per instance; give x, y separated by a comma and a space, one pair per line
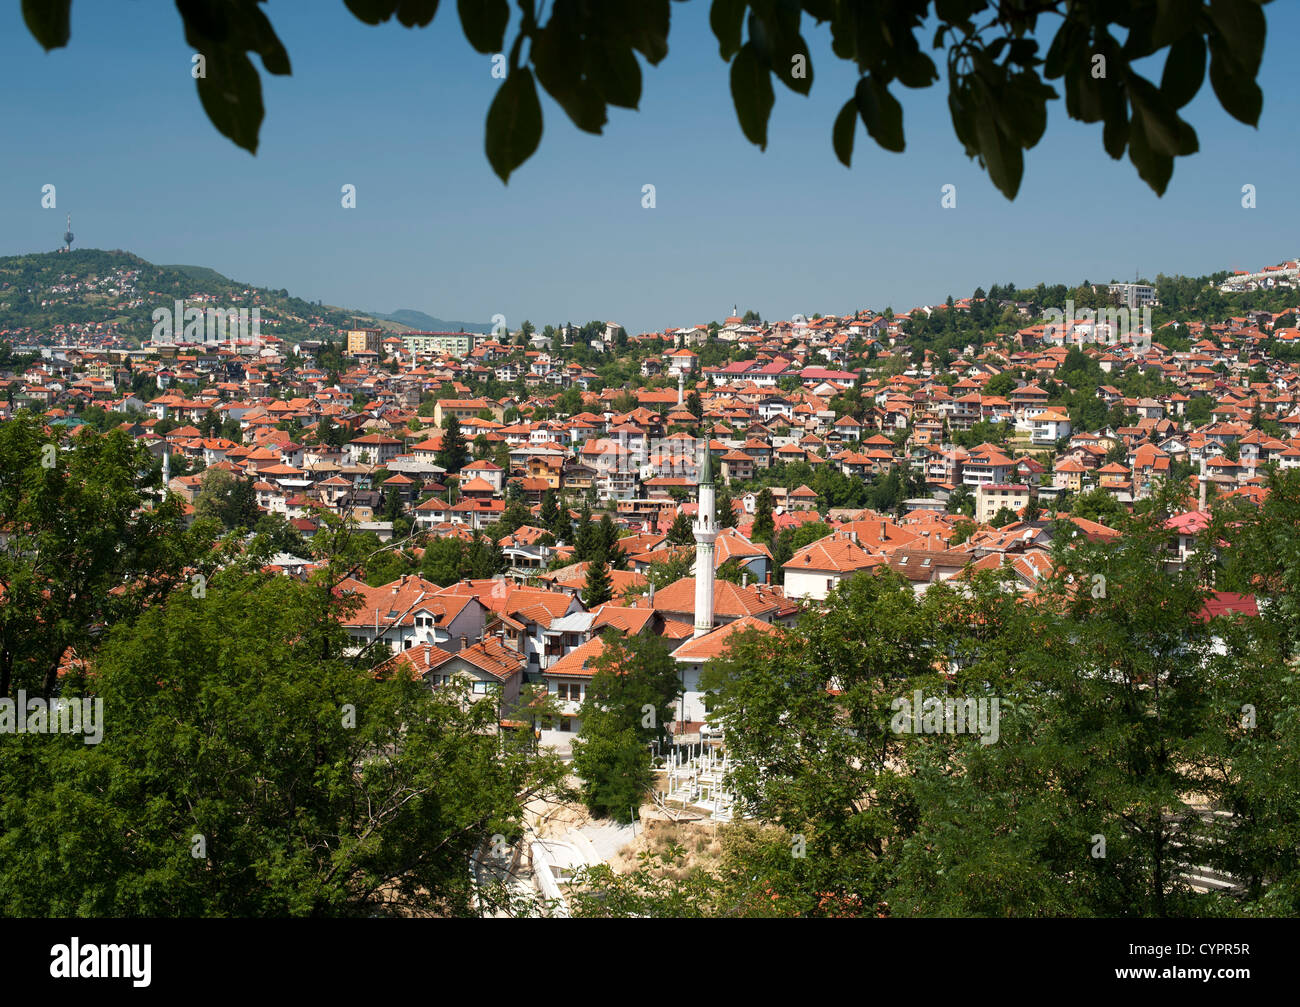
764, 523
453, 454
598, 588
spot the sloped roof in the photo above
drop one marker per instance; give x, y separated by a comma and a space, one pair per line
714, 643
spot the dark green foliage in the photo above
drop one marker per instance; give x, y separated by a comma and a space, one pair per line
764, 527
586, 59
597, 590
453, 454
627, 706
247, 769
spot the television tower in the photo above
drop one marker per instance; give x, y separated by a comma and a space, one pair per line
67, 235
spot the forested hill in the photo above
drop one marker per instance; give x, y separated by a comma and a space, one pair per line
102, 295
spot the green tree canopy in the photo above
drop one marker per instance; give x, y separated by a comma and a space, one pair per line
248, 769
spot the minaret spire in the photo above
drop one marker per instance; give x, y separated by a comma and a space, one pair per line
706, 532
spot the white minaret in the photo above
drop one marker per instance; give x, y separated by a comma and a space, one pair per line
706, 532
681, 386
1203, 478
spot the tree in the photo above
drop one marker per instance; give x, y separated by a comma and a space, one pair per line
549, 512
452, 455
764, 527
607, 544
1001, 384
516, 515
725, 507
627, 705
675, 566
586, 542
597, 589
680, 533
278, 535
88, 542
229, 499
393, 505
1003, 517
1100, 506
961, 501
251, 770
1199, 410
997, 89
961, 532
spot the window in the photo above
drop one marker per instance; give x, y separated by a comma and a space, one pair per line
480, 688
566, 725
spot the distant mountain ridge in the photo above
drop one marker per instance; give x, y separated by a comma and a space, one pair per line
427, 323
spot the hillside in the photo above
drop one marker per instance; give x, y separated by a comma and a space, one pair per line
104, 297
410, 319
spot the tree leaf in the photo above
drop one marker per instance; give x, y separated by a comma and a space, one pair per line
49, 21
726, 18
1154, 168
751, 92
783, 64
614, 70
645, 24
1114, 134
1002, 157
231, 94
1242, 25
1173, 19
584, 106
1026, 107
881, 113
1161, 126
842, 133
263, 40
514, 123
416, 13
484, 23
1184, 69
1239, 95
372, 11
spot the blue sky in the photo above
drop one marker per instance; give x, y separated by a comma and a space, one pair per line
115, 123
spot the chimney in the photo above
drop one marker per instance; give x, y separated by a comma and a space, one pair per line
882, 530
744, 580
652, 594
464, 642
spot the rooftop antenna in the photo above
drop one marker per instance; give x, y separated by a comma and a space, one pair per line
67, 235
